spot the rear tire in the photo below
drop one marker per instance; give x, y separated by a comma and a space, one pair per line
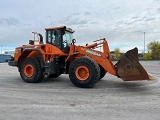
84, 72
30, 70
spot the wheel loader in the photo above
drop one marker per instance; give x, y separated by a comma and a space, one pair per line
85, 64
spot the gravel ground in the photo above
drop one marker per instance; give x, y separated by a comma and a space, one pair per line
58, 99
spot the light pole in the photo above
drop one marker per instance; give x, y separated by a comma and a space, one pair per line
1, 48
144, 42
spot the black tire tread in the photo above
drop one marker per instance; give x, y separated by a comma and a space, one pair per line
102, 72
38, 76
94, 68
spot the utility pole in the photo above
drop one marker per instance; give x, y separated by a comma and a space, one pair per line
1, 48
144, 42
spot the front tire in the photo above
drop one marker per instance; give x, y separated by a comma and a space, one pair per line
102, 72
84, 72
30, 70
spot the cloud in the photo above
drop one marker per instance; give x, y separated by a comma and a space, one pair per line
158, 10
150, 19
157, 0
9, 21
87, 13
79, 19
137, 22
121, 22
71, 21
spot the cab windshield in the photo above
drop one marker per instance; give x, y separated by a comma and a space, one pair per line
67, 39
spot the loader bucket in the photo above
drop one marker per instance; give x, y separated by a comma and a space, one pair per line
129, 69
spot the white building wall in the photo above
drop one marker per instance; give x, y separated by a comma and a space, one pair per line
9, 53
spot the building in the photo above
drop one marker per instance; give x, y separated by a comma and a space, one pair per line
9, 53
4, 58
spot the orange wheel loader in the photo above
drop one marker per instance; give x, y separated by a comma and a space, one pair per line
84, 64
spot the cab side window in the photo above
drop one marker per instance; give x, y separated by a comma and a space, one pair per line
54, 37
49, 36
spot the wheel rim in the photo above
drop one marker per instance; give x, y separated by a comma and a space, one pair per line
28, 70
82, 73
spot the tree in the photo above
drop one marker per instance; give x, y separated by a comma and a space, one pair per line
117, 53
147, 56
154, 47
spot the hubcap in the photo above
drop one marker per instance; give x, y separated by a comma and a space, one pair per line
28, 70
82, 73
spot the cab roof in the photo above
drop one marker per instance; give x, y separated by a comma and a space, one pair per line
61, 27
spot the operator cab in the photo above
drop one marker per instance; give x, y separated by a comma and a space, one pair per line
60, 37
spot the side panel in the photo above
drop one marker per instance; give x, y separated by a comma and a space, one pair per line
51, 49
101, 58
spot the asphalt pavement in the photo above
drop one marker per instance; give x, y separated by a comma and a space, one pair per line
58, 99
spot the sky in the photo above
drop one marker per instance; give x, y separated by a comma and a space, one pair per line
121, 22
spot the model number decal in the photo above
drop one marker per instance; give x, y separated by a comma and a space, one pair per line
93, 52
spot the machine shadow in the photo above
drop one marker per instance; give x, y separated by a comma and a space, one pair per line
115, 84
119, 85
61, 79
